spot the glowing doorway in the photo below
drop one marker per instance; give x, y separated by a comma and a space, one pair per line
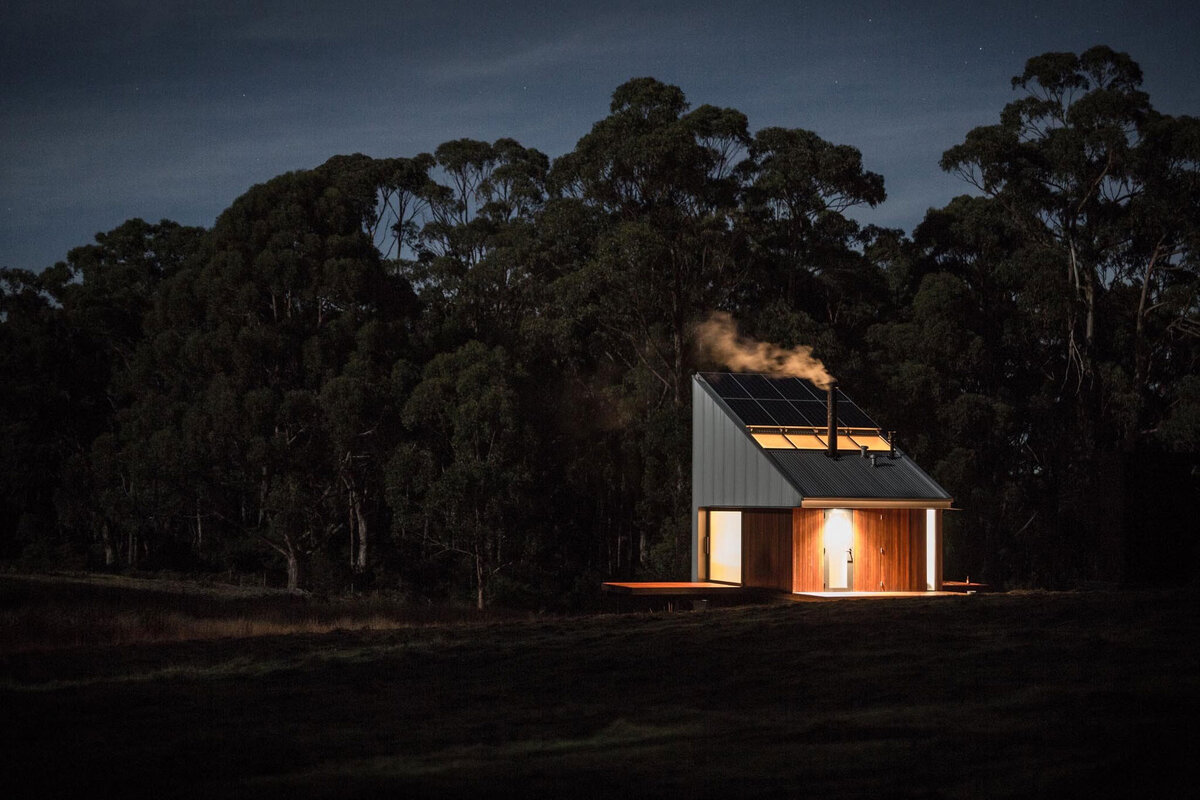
839, 552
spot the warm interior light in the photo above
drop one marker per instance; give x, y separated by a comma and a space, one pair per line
773, 441
843, 443
804, 438
839, 538
725, 546
930, 549
806, 441
873, 442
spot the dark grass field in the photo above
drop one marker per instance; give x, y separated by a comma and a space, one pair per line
1091, 694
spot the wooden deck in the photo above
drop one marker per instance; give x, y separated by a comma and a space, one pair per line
860, 595
677, 595
673, 595
677, 588
965, 587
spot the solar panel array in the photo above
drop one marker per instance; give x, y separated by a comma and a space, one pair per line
761, 400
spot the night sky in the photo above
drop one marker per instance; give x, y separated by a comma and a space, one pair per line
162, 109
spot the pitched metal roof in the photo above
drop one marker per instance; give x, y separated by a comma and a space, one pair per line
757, 402
816, 475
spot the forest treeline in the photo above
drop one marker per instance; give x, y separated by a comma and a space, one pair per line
465, 374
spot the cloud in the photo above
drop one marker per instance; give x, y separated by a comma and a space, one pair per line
127, 108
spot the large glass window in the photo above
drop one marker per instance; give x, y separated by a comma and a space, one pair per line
931, 553
725, 546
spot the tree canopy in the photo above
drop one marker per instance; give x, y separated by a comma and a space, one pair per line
464, 374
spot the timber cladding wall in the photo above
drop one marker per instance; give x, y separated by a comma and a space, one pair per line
807, 549
889, 550
784, 549
767, 549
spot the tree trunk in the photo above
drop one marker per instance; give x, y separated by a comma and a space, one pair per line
293, 568
199, 529
360, 526
110, 550
1141, 350
479, 579
1089, 329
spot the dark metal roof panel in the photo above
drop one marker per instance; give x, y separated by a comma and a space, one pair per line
811, 472
816, 475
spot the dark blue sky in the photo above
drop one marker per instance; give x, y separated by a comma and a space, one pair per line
157, 109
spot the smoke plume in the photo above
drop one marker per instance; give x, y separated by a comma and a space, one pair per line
719, 340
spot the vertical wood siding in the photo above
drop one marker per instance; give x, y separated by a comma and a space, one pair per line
807, 524
767, 549
889, 550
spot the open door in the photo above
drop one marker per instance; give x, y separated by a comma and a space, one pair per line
839, 550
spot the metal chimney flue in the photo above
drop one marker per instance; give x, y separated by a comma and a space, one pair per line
831, 420
892, 444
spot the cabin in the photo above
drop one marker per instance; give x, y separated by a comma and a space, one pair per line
796, 489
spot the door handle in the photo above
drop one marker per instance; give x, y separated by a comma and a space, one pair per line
849, 555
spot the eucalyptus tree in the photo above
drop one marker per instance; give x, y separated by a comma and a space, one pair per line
1102, 190
1106, 188
35, 356
263, 371
665, 178
71, 332
962, 375
471, 268
812, 282
462, 487
656, 185
393, 194
698, 214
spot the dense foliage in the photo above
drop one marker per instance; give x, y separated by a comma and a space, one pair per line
465, 373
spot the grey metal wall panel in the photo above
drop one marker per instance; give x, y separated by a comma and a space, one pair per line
728, 467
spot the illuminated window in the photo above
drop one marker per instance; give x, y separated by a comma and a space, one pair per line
725, 546
843, 443
806, 441
930, 549
773, 441
874, 442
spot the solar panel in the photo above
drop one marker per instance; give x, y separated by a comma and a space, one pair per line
750, 412
759, 387
796, 389
851, 416
783, 412
812, 412
763, 400
725, 385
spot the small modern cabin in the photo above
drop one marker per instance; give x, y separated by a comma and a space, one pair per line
795, 489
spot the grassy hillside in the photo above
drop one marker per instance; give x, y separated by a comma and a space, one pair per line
1016, 695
